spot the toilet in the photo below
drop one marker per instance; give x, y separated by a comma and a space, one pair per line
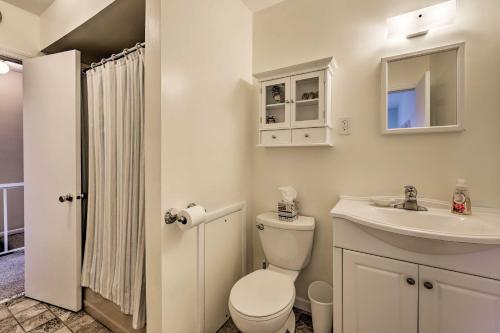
262, 301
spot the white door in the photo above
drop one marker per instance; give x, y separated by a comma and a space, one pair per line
453, 302
51, 130
423, 102
275, 104
308, 99
380, 295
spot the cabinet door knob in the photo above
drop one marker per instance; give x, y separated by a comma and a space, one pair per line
410, 281
273, 136
428, 285
292, 101
306, 135
287, 101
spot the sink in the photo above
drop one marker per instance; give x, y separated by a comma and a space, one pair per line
438, 223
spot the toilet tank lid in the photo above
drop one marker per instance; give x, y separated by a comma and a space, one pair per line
271, 219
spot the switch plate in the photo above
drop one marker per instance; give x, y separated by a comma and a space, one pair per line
345, 124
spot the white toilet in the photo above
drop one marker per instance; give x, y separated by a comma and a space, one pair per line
262, 301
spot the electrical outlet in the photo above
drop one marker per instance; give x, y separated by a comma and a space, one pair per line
345, 124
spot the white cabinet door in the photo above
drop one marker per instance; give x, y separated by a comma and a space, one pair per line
453, 302
308, 99
223, 267
275, 104
380, 295
51, 114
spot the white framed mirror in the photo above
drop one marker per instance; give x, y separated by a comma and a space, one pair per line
422, 91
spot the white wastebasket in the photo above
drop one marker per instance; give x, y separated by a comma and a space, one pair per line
321, 296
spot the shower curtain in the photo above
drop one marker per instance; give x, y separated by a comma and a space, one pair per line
114, 254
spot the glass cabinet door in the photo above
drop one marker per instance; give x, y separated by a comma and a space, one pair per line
308, 99
275, 104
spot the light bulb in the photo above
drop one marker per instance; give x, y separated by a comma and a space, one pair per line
4, 68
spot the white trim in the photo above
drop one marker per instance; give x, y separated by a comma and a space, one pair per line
13, 232
11, 185
302, 304
460, 47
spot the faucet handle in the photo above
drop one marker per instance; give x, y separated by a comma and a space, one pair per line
410, 191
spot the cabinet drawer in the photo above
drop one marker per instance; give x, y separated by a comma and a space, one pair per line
281, 137
309, 135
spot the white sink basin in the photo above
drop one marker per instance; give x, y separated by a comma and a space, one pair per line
482, 227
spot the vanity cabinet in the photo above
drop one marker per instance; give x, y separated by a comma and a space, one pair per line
380, 294
295, 105
456, 302
394, 296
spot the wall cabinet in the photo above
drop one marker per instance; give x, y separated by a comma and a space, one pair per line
394, 296
295, 105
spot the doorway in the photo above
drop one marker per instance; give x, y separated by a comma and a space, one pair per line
11, 180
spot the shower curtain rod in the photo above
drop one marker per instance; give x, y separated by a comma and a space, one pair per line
115, 56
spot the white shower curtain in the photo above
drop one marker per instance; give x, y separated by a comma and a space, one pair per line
114, 252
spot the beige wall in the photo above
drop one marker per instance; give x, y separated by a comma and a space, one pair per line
63, 16
19, 31
206, 137
366, 162
11, 145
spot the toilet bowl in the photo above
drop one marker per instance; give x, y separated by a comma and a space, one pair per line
262, 302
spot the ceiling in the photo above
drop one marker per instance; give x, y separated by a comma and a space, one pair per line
120, 25
34, 6
256, 5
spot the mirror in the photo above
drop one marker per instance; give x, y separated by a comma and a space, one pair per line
422, 91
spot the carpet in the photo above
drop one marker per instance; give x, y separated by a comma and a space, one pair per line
11, 275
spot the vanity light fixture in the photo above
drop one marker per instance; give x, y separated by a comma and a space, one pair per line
4, 68
419, 22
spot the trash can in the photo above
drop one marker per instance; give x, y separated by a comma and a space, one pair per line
321, 296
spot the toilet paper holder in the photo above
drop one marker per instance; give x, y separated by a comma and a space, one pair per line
172, 215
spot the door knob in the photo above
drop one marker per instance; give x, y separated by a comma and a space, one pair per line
260, 226
410, 281
67, 197
428, 285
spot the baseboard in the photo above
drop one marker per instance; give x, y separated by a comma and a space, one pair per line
302, 304
107, 313
13, 231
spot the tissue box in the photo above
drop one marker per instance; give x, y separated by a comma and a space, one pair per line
288, 211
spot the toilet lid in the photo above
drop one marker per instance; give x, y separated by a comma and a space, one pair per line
262, 293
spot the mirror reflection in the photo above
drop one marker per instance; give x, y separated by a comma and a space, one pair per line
422, 91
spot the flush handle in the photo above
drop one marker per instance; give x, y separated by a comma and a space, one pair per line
260, 226
428, 285
410, 281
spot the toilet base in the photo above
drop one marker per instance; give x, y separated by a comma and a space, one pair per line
289, 326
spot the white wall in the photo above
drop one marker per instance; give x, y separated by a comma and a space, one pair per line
19, 31
366, 162
63, 16
11, 145
206, 132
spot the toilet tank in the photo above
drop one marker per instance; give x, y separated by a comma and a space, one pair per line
286, 244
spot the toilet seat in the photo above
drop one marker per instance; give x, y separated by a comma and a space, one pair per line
263, 295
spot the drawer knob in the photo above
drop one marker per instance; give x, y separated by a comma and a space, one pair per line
306, 135
428, 285
273, 136
410, 281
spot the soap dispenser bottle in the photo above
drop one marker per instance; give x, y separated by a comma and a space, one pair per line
461, 199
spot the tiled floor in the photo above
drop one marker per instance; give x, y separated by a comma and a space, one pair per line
23, 314
303, 323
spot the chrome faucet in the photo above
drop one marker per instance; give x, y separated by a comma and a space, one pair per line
410, 202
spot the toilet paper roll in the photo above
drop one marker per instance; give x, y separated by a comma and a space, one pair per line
191, 217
